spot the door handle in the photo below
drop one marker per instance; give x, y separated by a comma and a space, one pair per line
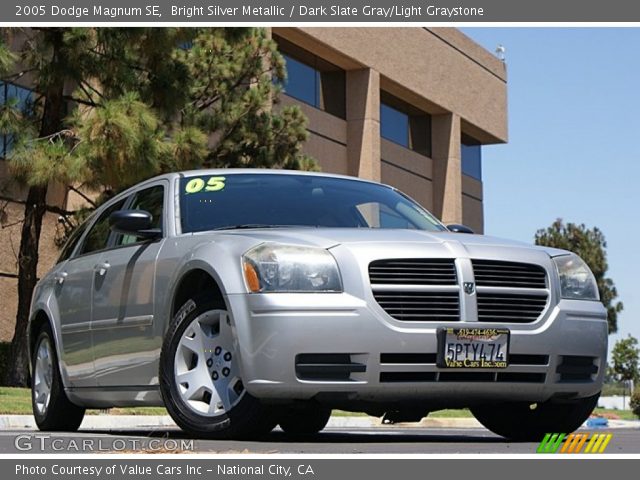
60, 277
102, 268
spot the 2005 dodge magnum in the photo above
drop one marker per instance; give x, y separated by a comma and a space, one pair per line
244, 299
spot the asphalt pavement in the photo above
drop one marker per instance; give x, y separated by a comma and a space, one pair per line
333, 440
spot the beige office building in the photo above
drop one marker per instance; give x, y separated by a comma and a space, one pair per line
410, 107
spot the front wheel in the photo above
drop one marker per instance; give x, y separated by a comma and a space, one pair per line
519, 421
52, 410
200, 377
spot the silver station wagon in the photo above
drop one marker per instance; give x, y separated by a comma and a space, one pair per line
245, 299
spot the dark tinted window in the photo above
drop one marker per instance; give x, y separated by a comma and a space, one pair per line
150, 200
471, 152
313, 80
405, 124
73, 240
302, 81
262, 200
394, 125
98, 236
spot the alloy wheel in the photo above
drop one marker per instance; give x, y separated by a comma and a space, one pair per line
205, 365
43, 376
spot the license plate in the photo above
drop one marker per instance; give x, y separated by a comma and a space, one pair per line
473, 348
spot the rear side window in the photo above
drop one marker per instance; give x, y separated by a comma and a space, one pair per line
73, 240
98, 236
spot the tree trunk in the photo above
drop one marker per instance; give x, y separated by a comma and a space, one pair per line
35, 208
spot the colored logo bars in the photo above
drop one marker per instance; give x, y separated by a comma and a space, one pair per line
574, 443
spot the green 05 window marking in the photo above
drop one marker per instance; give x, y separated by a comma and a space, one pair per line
197, 184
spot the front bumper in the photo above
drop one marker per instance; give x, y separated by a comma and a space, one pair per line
395, 361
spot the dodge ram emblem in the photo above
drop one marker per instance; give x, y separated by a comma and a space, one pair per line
469, 288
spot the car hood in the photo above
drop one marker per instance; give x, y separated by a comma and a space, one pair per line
332, 237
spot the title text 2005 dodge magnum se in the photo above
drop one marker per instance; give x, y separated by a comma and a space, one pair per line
243, 299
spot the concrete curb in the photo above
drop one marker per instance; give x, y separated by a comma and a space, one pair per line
124, 422
94, 422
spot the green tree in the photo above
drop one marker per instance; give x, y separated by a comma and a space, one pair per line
116, 105
625, 363
590, 245
625, 355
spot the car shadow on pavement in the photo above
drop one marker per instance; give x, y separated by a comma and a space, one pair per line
371, 436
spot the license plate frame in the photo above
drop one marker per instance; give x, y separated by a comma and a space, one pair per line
449, 356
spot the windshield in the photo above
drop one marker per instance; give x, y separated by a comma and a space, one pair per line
239, 200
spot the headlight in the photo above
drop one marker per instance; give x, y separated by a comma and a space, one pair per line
576, 280
288, 268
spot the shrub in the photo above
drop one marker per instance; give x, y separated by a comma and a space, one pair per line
634, 402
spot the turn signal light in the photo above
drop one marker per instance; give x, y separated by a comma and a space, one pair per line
251, 277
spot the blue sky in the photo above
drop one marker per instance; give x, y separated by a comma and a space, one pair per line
574, 143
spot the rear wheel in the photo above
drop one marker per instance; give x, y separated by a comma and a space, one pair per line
200, 376
306, 420
519, 421
52, 410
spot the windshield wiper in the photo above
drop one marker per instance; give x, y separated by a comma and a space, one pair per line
255, 225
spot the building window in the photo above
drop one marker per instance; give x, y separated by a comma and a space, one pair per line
394, 125
471, 152
313, 80
404, 124
17, 97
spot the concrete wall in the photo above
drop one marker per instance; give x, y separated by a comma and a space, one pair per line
439, 71
327, 141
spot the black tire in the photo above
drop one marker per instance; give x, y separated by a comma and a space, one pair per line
307, 420
57, 414
248, 418
517, 421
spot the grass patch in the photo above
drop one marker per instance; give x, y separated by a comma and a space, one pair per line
17, 401
342, 413
622, 414
131, 411
449, 413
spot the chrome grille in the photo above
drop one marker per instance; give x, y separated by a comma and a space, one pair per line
492, 273
413, 272
420, 306
512, 307
416, 289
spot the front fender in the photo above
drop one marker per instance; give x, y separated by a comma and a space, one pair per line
221, 259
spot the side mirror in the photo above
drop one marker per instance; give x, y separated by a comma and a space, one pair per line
134, 222
456, 228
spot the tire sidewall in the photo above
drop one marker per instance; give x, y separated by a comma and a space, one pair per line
222, 425
308, 420
516, 421
61, 414
41, 419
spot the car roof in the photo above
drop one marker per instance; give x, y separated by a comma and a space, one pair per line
259, 171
